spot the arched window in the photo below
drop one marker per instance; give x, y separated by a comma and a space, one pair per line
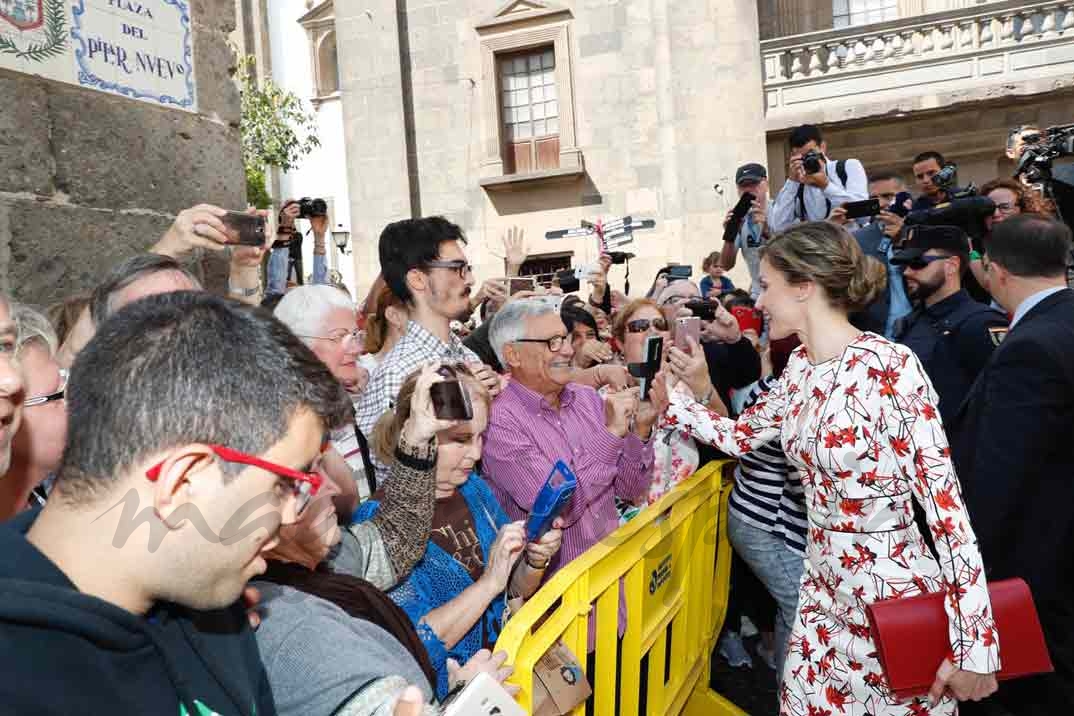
327, 65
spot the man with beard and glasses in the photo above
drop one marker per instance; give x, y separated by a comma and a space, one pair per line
952, 334
423, 263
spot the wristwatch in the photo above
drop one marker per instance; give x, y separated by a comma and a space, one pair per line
975, 255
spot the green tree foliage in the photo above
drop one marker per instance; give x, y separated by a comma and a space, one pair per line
276, 129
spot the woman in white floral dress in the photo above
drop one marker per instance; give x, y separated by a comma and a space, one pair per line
857, 416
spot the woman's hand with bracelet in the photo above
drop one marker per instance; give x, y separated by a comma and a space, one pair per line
541, 552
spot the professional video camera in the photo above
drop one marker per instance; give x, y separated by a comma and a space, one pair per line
1037, 167
963, 208
966, 212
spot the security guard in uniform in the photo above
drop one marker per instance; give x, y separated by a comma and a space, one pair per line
952, 334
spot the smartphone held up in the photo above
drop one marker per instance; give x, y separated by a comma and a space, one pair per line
244, 229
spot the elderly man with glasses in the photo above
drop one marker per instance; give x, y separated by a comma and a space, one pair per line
952, 334
542, 417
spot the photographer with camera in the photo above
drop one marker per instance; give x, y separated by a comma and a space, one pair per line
1019, 138
287, 251
815, 184
935, 180
752, 228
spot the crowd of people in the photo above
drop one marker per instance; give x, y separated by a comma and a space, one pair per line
319, 541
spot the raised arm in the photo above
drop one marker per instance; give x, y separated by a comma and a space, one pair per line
756, 426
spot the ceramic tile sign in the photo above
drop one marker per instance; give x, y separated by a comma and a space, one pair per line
142, 49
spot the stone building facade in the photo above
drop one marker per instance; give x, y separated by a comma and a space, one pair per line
540, 115
88, 178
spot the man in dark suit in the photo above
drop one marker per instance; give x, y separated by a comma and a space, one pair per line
1014, 446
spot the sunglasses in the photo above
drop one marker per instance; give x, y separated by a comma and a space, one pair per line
304, 485
60, 393
641, 325
922, 262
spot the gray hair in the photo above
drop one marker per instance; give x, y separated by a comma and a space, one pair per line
303, 308
509, 323
126, 273
32, 325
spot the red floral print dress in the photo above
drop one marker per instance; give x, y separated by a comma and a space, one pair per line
864, 432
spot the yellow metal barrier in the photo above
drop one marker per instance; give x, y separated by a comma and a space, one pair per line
673, 561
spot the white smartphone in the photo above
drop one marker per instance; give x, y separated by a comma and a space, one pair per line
482, 696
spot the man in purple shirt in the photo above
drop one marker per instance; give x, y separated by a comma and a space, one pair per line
541, 417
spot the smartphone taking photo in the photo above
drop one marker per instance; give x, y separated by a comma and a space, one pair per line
686, 328
244, 229
450, 400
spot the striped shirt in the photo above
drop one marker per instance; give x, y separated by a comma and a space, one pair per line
768, 491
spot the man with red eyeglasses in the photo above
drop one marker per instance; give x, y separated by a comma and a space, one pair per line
199, 418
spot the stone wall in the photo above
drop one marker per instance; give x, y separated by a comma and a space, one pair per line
667, 103
88, 178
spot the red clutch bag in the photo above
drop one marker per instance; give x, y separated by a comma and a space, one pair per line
912, 639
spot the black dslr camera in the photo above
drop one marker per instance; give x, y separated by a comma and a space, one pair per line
812, 161
308, 208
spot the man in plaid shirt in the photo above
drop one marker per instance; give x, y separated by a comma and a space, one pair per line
423, 263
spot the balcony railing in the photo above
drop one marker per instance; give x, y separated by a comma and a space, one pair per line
998, 43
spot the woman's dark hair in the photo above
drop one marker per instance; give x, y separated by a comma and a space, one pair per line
827, 255
575, 314
162, 372
412, 244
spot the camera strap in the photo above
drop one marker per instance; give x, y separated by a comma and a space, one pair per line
841, 172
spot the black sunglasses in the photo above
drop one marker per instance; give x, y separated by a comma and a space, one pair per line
922, 262
641, 325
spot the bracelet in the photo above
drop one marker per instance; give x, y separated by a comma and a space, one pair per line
975, 255
244, 292
538, 567
708, 397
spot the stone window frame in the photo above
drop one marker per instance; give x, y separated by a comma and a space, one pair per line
320, 25
523, 25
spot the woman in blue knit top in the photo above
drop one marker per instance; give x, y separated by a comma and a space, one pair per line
475, 558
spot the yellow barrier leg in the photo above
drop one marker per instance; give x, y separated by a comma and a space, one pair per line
706, 702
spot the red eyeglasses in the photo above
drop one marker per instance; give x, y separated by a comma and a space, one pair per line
304, 485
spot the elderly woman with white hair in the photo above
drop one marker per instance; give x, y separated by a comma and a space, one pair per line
38, 445
326, 320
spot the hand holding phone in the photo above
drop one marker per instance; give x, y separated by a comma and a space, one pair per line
244, 229
450, 400
685, 329
730, 229
861, 209
551, 500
